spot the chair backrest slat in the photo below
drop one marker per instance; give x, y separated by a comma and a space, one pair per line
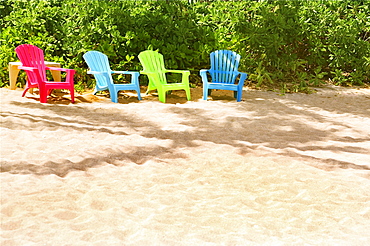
224, 66
152, 61
99, 62
32, 56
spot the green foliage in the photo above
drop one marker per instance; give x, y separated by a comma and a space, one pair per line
286, 44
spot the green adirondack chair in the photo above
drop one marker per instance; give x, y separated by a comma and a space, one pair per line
153, 67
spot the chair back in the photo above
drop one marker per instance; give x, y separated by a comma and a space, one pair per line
32, 56
224, 66
153, 62
98, 62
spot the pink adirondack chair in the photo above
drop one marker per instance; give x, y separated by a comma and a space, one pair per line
32, 59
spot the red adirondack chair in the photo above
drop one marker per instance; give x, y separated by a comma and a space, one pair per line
33, 63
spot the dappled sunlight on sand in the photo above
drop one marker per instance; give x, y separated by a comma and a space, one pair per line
270, 170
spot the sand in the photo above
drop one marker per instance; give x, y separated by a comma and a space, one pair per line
273, 169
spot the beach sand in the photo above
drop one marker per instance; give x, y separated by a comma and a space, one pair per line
273, 169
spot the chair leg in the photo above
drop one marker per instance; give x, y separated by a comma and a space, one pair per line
43, 95
114, 96
206, 91
135, 80
138, 94
188, 96
49, 92
239, 96
72, 92
162, 96
25, 91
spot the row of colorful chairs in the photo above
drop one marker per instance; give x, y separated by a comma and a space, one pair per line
222, 75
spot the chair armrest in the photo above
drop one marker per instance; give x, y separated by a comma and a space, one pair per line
59, 69
202, 71
177, 71
184, 75
27, 68
243, 76
95, 72
203, 75
125, 72
147, 73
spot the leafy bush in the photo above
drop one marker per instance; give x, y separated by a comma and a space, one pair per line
292, 44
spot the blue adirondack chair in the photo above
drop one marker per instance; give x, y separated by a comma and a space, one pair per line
223, 74
99, 67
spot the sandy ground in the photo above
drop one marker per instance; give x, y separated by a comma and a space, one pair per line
270, 170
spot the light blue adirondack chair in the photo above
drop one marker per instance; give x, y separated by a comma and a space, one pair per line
99, 67
223, 74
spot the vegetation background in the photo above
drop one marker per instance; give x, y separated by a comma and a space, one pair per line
289, 45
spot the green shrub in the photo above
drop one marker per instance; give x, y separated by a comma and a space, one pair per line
286, 44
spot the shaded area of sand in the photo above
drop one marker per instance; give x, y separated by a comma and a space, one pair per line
270, 170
